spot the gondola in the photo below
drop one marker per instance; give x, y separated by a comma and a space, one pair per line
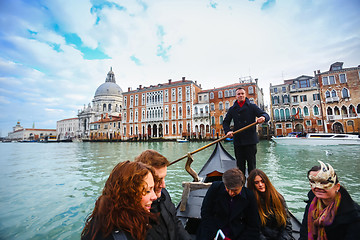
188, 210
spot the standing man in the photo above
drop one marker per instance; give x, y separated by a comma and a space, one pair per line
228, 205
168, 227
244, 113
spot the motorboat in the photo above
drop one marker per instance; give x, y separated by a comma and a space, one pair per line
318, 139
182, 140
189, 208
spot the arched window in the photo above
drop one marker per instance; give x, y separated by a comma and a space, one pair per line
333, 93
188, 110
212, 120
344, 111
352, 112
277, 116
109, 107
316, 110
336, 110
212, 107
287, 113
104, 107
252, 100
251, 90
226, 93
306, 111
206, 109
196, 110
221, 119
220, 106
282, 114
227, 105
329, 111
293, 111
220, 95
180, 111
327, 94
345, 93
211, 95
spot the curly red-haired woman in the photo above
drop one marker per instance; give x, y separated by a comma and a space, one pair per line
123, 209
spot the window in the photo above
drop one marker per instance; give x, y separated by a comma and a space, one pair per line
179, 94
316, 110
220, 94
316, 96
319, 122
221, 119
276, 114
200, 98
212, 107
188, 93
143, 99
342, 78
251, 90
287, 113
166, 95
278, 126
276, 100
294, 99
306, 111
288, 125
333, 93
251, 100
308, 122
286, 99
211, 95
275, 90
283, 89
303, 98
220, 106
173, 94
345, 93
227, 105
226, 93
327, 94
212, 120
304, 83
332, 79
325, 81
282, 114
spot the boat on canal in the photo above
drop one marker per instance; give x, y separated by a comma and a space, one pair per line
189, 208
318, 139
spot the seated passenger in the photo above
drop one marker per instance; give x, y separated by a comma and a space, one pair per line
231, 207
274, 215
168, 225
123, 209
330, 212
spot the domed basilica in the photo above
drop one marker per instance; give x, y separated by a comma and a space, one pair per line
107, 102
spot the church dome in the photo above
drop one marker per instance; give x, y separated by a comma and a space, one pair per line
109, 88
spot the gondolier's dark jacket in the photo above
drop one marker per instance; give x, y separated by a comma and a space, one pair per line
169, 227
242, 117
346, 224
243, 218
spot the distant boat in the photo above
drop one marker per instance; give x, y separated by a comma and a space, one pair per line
182, 140
318, 139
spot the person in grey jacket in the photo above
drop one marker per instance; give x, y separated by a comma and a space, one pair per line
168, 225
244, 113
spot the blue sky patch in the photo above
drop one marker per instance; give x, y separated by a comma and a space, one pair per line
135, 60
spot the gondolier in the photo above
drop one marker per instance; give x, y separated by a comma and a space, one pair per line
243, 113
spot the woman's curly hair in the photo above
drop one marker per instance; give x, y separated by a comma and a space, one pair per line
119, 207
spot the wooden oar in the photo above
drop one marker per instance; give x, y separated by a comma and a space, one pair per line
208, 145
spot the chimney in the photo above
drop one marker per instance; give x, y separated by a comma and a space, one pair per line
169, 81
183, 79
195, 82
318, 71
129, 89
140, 86
314, 73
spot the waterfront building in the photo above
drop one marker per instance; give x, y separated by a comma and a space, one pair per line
222, 98
295, 106
340, 98
67, 129
164, 110
105, 129
20, 133
107, 100
201, 115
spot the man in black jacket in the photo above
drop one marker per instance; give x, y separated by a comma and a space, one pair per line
168, 227
244, 113
231, 207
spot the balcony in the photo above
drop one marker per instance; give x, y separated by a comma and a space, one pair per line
201, 115
331, 99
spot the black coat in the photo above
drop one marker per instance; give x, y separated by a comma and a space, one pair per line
169, 227
243, 218
346, 224
243, 116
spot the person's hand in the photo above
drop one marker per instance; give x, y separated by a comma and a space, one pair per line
260, 119
230, 134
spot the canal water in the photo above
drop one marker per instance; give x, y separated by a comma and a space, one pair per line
47, 190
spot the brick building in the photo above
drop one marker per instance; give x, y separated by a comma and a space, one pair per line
107, 128
340, 98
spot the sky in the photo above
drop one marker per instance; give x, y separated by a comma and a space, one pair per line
54, 53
